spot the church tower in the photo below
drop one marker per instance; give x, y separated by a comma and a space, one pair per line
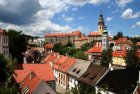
105, 40
101, 24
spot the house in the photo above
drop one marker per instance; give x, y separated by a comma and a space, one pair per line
63, 38
32, 84
118, 59
122, 44
48, 48
80, 41
43, 71
76, 71
93, 75
95, 53
122, 81
96, 36
4, 46
61, 64
36, 41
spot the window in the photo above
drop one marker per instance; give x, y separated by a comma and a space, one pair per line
74, 70
78, 71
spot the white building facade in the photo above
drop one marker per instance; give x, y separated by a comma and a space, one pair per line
4, 43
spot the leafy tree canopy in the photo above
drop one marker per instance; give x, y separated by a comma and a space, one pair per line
17, 44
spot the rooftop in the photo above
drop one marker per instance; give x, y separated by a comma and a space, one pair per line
121, 81
43, 71
118, 53
79, 68
93, 74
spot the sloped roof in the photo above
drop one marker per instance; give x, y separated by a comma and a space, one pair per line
74, 33
118, 53
79, 68
97, 48
93, 74
123, 40
36, 85
43, 88
68, 63
31, 83
48, 45
43, 71
121, 81
95, 33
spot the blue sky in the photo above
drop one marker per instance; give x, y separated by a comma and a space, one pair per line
38, 17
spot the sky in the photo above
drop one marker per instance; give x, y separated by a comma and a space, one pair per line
39, 17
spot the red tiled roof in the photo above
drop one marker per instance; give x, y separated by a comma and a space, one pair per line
31, 83
69, 62
48, 45
118, 53
43, 71
1, 31
95, 33
59, 62
19, 78
123, 40
97, 48
74, 33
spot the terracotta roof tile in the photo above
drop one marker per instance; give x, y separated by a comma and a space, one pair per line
123, 40
31, 83
43, 71
48, 45
118, 53
95, 33
74, 33
68, 63
97, 48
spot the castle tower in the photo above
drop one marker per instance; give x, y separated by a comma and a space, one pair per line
101, 24
105, 40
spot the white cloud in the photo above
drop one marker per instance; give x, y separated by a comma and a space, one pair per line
96, 2
108, 19
128, 14
137, 24
3, 3
69, 19
81, 18
42, 16
122, 3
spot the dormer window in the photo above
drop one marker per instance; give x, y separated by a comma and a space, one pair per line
78, 71
74, 69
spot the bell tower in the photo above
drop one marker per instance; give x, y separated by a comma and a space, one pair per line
101, 24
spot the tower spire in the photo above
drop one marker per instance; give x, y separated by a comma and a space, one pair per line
101, 23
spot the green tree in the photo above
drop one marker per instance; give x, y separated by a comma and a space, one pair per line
80, 55
17, 44
83, 89
69, 44
87, 46
118, 35
7, 86
106, 58
131, 57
